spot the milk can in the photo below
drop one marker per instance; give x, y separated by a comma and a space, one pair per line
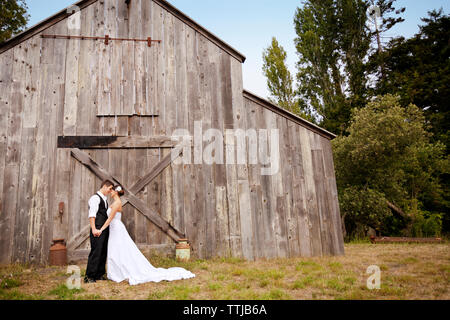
183, 250
58, 253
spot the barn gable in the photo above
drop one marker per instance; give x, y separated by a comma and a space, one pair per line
64, 14
75, 111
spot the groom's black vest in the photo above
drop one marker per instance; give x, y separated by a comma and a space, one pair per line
102, 214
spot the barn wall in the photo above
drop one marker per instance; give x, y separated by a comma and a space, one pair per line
297, 209
55, 87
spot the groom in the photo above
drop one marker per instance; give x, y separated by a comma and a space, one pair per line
98, 205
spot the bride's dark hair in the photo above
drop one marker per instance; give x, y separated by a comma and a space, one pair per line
119, 190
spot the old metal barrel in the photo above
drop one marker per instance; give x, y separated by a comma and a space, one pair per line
58, 253
183, 250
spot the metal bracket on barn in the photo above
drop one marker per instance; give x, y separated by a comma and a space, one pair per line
106, 38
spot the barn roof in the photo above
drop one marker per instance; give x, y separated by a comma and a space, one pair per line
63, 14
289, 115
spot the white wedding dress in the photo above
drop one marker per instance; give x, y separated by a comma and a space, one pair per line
126, 262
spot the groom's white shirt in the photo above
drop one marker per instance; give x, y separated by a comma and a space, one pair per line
94, 201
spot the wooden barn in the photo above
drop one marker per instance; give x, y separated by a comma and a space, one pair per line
97, 91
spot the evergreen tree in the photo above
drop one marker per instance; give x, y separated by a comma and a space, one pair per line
280, 81
333, 43
418, 69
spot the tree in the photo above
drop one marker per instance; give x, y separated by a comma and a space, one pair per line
13, 18
387, 158
279, 79
380, 13
333, 43
319, 77
418, 69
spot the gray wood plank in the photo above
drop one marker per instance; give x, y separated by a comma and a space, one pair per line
208, 221
95, 49
245, 214
267, 205
55, 128
231, 169
154, 197
32, 82
85, 104
299, 205
6, 72
222, 245
159, 71
166, 195
10, 187
331, 197
24, 198
279, 198
181, 118
310, 193
128, 176
141, 168
257, 221
195, 182
287, 169
322, 204
20, 154
254, 178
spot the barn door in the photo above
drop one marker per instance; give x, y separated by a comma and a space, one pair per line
96, 159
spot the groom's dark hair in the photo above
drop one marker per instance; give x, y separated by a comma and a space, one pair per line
107, 183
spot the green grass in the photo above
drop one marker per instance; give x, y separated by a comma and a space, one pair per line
335, 266
62, 292
336, 284
303, 282
17, 295
264, 283
407, 272
364, 240
308, 266
176, 292
9, 283
157, 295
213, 286
276, 294
183, 292
445, 269
409, 260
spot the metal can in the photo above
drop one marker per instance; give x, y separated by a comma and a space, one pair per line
183, 250
58, 253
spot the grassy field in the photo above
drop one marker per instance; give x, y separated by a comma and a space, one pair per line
408, 271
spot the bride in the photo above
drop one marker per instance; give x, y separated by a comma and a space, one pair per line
125, 261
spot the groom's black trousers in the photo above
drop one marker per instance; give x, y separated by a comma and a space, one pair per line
97, 257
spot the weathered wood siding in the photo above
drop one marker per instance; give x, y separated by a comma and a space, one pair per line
296, 211
58, 87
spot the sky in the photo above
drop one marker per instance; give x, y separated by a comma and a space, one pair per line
249, 25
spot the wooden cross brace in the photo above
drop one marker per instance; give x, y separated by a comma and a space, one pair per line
130, 195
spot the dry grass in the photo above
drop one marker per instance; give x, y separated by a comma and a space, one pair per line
408, 271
